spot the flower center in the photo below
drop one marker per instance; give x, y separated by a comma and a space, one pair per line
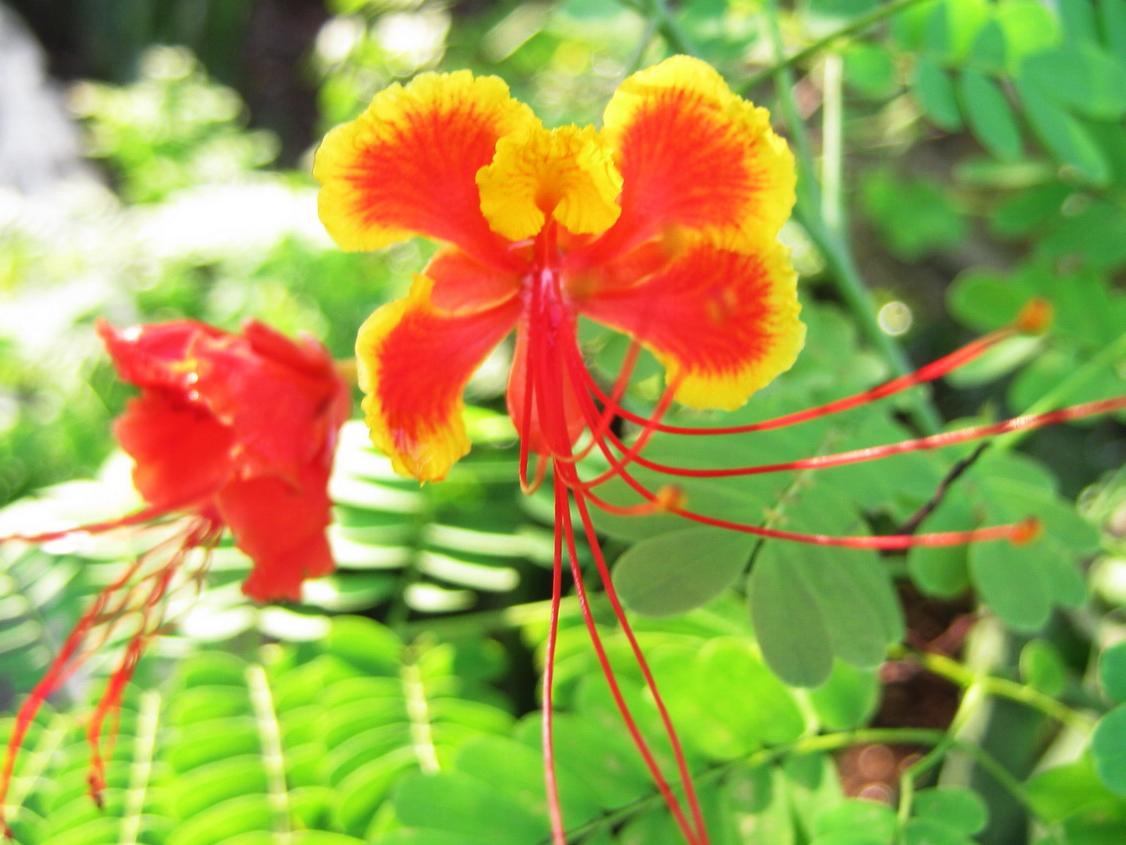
566, 175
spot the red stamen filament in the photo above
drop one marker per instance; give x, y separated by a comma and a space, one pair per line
549, 391
1028, 422
927, 373
1015, 532
111, 605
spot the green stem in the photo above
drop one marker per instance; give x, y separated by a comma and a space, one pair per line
834, 247
821, 743
669, 28
855, 27
963, 676
832, 146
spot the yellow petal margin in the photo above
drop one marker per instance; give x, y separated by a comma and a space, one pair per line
407, 165
414, 362
693, 153
722, 317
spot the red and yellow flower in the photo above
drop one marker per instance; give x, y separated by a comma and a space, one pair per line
663, 225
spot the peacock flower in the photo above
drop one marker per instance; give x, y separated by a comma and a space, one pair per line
663, 225
229, 431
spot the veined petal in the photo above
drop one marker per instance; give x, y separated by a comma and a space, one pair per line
281, 527
414, 362
724, 322
566, 174
463, 284
694, 154
406, 166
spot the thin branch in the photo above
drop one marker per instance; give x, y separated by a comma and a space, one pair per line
855, 27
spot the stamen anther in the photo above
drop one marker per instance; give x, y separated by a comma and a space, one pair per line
1027, 531
1035, 317
670, 498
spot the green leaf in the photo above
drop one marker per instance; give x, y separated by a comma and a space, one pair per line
872, 821
804, 600
1029, 27
934, 90
989, 114
246, 814
457, 803
788, 623
1065, 791
1108, 748
1083, 78
1113, 19
729, 676
955, 807
1112, 672
930, 832
1030, 209
1078, 19
1064, 136
869, 70
954, 25
848, 698
1042, 668
675, 572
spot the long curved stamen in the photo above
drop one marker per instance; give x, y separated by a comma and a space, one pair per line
553, 426
1033, 319
615, 691
643, 664
140, 517
1029, 422
616, 394
1019, 532
104, 614
547, 736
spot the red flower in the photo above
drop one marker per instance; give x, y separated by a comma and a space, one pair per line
229, 431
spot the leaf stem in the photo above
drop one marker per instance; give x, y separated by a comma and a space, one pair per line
670, 30
273, 757
965, 677
850, 285
860, 24
144, 750
932, 737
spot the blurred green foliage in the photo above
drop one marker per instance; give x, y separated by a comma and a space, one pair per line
983, 160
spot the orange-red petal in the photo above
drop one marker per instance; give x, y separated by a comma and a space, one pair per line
281, 527
694, 154
182, 454
463, 284
723, 321
407, 166
414, 361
